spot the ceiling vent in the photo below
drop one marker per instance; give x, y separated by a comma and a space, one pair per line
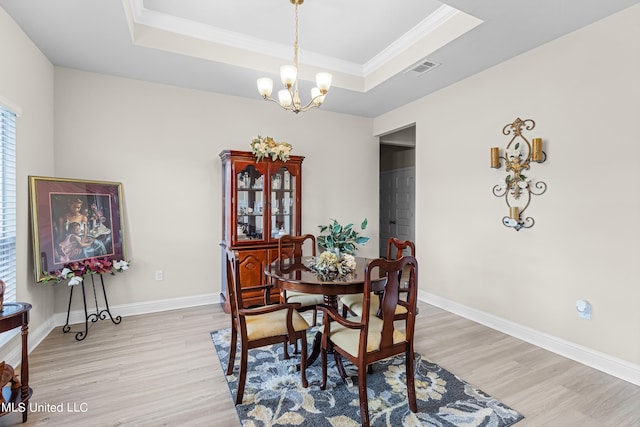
422, 67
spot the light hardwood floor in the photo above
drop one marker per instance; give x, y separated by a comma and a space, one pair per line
162, 370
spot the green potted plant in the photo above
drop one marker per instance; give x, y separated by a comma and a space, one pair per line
345, 239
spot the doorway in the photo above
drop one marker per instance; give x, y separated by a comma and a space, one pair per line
397, 186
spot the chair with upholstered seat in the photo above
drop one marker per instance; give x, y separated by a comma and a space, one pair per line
367, 339
257, 327
353, 303
294, 247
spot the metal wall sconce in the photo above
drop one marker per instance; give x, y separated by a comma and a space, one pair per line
517, 188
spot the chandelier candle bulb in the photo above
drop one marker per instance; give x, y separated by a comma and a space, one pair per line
514, 212
288, 74
495, 157
265, 87
536, 151
284, 97
323, 80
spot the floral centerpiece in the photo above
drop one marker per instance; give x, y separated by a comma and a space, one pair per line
343, 238
75, 270
329, 266
268, 147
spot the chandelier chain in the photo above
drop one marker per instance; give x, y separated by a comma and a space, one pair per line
295, 43
296, 48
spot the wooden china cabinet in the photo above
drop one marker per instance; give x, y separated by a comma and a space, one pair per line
260, 202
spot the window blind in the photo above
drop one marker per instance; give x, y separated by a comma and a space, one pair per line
8, 202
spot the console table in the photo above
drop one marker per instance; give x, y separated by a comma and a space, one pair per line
13, 315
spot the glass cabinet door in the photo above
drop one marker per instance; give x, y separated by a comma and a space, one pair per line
250, 204
283, 203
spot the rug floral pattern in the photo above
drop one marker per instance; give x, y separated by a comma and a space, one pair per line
274, 395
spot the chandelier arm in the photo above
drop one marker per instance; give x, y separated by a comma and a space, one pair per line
268, 98
291, 107
309, 106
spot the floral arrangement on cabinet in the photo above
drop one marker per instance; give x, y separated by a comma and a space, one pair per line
74, 271
266, 146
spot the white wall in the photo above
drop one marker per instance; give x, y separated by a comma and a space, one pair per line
582, 91
26, 83
163, 142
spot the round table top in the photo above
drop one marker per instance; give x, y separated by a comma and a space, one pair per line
300, 278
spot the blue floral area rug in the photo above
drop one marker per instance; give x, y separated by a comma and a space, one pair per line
274, 395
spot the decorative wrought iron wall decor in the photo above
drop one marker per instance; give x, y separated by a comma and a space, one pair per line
517, 188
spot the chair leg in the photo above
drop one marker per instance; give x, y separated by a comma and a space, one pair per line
285, 349
232, 351
339, 365
362, 393
315, 317
411, 388
323, 358
295, 346
303, 359
242, 377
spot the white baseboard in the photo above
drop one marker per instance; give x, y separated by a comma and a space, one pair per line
14, 352
603, 362
146, 307
613, 366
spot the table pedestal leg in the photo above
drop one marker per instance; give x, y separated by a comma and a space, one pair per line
331, 301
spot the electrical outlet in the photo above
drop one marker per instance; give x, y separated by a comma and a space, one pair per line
159, 275
584, 309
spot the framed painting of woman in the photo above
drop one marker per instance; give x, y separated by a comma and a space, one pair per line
73, 220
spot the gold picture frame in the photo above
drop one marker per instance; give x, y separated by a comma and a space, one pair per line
73, 220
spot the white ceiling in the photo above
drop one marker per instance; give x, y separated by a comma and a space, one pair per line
224, 46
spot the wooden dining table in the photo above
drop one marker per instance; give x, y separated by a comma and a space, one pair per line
297, 276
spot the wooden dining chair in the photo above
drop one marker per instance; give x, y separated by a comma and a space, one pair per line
295, 247
257, 327
395, 249
368, 339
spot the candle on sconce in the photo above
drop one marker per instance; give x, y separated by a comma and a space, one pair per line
536, 151
495, 157
514, 213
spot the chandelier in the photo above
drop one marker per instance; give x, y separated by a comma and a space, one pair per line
289, 98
